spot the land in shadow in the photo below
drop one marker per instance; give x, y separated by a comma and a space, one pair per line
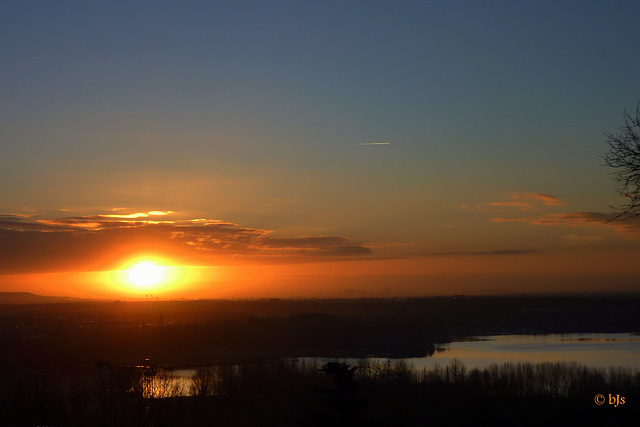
85, 363
292, 393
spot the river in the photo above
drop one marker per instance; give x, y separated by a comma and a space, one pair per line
592, 350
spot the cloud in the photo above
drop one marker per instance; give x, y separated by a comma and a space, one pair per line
98, 241
535, 204
518, 201
521, 205
569, 218
374, 143
629, 228
138, 215
344, 250
483, 253
308, 242
547, 199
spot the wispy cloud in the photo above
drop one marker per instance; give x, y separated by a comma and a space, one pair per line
518, 201
94, 241
138, 215
542, 209
374, 143
500, 252
547, 199
629, 228
513, 204
568, 218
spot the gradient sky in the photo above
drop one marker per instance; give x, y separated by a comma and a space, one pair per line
297, 148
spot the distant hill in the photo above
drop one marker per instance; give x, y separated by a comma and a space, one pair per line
29, 298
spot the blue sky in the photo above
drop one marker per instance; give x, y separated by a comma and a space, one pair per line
255, 113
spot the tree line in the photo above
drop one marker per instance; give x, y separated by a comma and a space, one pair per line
293, 393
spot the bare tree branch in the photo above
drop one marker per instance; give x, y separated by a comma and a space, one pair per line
624, 158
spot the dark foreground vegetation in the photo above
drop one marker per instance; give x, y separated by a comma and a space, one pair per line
290, 393
74, 363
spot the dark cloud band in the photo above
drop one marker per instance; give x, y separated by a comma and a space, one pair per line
98, 241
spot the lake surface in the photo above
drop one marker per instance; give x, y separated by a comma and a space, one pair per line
593, 350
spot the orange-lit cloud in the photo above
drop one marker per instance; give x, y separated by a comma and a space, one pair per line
630, 228
483, 253
521, 205
97, 241
569, 218
138, 215
547, 199
520, 201
537, 203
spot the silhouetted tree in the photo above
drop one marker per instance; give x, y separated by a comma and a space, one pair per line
204, 382
624, 158
342, 402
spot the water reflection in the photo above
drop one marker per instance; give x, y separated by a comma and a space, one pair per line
160, 383
197, 381
593, 350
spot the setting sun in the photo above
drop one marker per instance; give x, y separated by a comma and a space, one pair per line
156, 274
145, 274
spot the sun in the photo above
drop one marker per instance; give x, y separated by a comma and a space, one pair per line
151, 273
145, 274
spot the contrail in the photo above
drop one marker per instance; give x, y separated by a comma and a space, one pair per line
374, 143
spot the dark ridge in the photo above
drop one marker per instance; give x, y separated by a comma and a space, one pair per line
30, 298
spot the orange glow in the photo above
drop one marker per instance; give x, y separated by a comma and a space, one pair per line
149, 274
146, 274
402, 277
